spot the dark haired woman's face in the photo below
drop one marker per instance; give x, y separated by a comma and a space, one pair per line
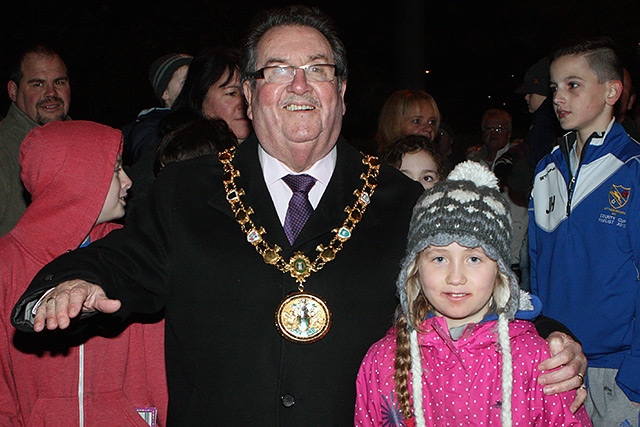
226, 102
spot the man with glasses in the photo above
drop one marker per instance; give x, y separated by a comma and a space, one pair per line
496, 137
275, 262
496, 141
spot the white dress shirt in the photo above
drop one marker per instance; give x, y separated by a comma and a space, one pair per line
273, 171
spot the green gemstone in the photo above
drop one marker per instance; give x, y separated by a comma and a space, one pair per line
344, 233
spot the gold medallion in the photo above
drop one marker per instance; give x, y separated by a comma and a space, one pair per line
303, 318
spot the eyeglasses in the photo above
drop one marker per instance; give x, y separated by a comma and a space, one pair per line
286, 73
495, 129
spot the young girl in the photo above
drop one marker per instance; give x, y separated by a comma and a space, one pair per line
417, 157
462, 324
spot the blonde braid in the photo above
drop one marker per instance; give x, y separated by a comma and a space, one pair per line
419, 307
402, 366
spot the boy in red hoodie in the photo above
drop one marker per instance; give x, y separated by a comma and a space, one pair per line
105, 374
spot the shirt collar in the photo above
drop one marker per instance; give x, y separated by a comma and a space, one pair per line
273, 169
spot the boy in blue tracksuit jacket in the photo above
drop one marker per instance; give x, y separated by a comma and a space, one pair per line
584, 228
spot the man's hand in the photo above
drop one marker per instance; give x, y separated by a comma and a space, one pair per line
67, 300
566, 354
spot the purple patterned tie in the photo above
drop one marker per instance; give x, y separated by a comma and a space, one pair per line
299, 209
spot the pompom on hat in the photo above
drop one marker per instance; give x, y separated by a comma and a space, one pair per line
162, 70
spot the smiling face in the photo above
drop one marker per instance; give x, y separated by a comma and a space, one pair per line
298, 122
458, 282
420, 120
581, 102
224, 101
115, 202
43, 92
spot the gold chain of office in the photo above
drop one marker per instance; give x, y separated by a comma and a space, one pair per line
299, 266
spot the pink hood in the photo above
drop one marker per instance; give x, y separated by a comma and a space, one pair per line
67, 194
104, 378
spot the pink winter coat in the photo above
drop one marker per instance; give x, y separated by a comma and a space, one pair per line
462, 380
103, 375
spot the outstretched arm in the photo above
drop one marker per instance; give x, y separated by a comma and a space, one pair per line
67, 300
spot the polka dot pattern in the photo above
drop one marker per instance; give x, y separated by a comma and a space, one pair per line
462, 380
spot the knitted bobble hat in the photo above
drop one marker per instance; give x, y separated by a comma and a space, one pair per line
466, 208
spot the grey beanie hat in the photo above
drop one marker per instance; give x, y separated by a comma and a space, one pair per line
466, 208
162, 70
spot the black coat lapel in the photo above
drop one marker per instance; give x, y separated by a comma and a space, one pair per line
330, 213
256, 196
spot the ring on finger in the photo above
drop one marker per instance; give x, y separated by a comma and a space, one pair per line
581, 379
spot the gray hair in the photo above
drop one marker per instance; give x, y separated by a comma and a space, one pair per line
301, 16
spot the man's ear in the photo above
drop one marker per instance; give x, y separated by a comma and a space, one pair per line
12, 90
614, 90
342, 88
246, 89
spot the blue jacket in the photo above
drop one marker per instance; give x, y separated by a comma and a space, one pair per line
584, 237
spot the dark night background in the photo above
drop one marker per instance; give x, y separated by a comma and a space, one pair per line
477, 52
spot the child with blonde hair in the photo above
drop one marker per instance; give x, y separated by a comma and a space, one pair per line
463, 350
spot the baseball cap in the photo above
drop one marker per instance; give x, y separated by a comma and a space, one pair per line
536, 79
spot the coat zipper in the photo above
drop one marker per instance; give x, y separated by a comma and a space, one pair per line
81, 386
572, 182
572, 185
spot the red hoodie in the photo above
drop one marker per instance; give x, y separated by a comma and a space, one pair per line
99, 376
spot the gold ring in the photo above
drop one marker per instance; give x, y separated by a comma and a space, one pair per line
581, 379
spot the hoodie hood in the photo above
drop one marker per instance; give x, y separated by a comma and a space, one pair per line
67, 167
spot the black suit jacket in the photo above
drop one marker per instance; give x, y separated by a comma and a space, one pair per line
226, 362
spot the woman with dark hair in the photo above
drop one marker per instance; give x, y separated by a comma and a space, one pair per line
211, 91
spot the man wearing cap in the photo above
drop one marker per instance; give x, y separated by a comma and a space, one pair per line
515, 167
166, 75
545, 127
